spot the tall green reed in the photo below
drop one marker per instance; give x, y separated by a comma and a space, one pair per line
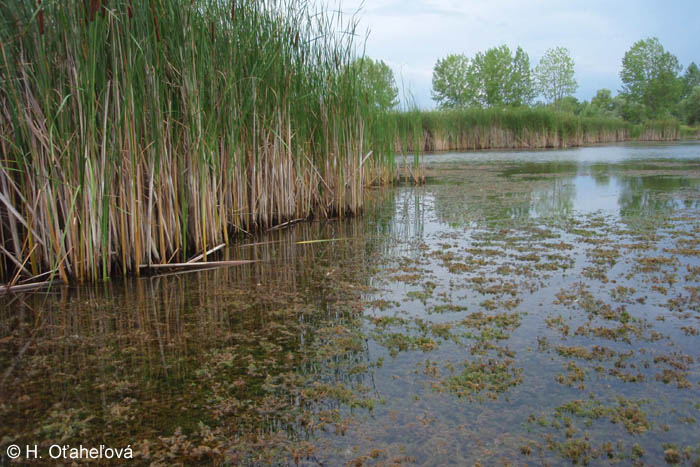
136, 133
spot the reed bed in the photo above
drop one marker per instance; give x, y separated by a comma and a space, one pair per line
137, 133
657, 130
689, 132
517, 128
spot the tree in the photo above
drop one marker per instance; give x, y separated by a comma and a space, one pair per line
603, 105
650, 78
603, 100
691, 107
377, 82
502, 78
523, 87
629, 109
496, 77
691, 79
451, 82
555, 75
569, 104
491, 70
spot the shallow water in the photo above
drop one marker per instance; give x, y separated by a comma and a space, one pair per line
523, 307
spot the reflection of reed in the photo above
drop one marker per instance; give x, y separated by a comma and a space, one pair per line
411, 210
556, 199
177, 337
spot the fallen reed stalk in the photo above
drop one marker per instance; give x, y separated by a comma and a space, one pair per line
195, 265
206, 253
5, 289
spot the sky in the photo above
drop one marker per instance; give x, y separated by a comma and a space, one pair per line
410, 35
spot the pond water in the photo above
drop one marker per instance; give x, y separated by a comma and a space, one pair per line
522, 307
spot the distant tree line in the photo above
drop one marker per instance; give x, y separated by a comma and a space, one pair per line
653, 83
499, 77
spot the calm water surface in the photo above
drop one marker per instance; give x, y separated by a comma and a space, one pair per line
535, 307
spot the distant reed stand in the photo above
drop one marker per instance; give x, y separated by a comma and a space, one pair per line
518, 128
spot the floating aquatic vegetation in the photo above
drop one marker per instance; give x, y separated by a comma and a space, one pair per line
428, 335
489, 376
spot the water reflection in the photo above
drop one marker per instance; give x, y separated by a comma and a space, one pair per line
217, 357
639, 195
555, 200
473, 190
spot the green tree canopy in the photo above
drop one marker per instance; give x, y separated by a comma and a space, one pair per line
502, 78
603, 100
650, 78
569, 104
451, 82
691, 107
377, 82
497, 77
691, 79
523, 87
555, 75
